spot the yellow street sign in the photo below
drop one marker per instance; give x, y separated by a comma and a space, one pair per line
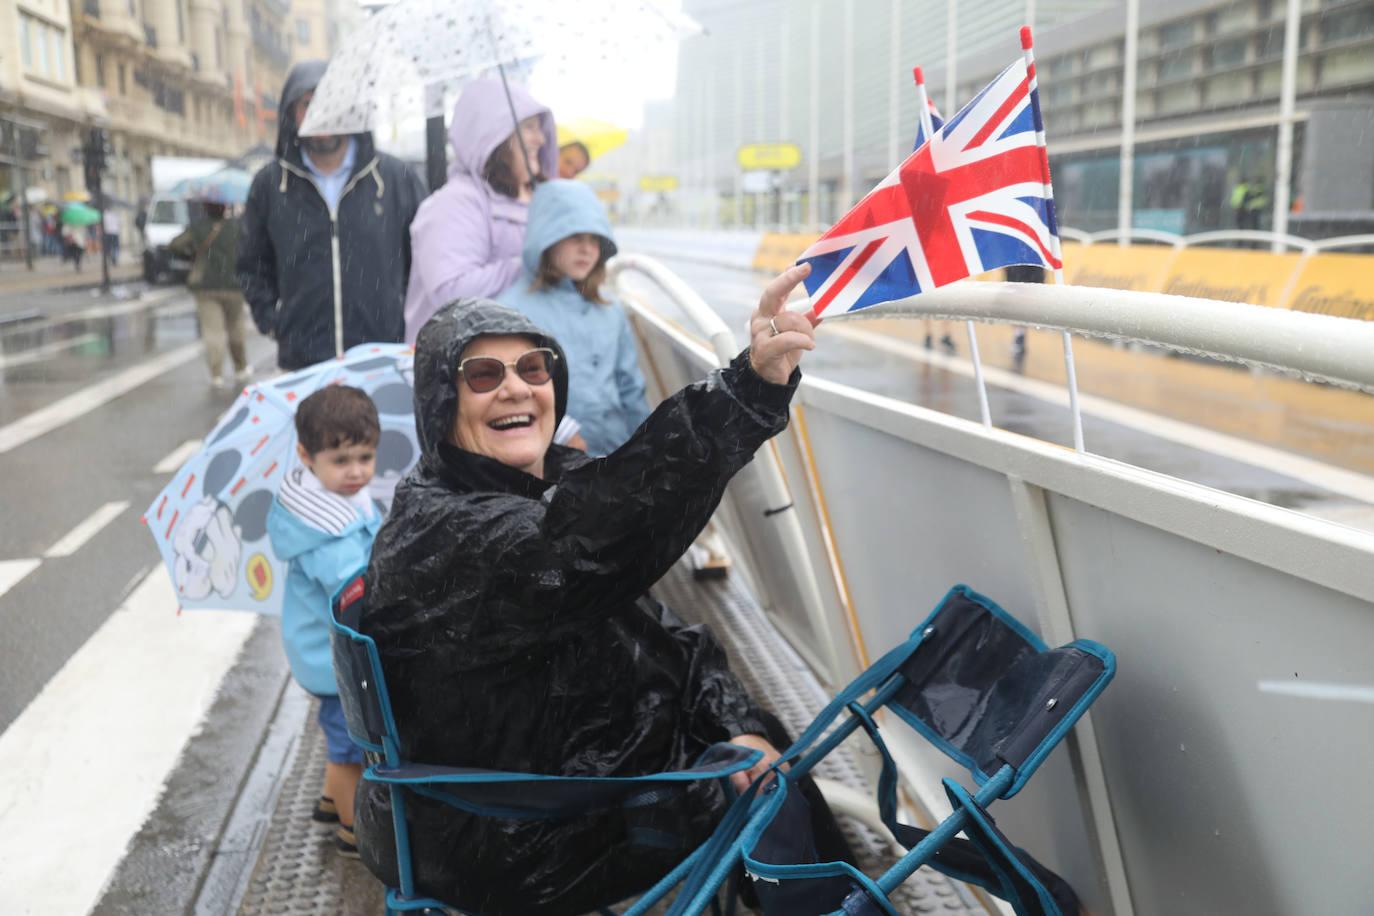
658, 183
772, 156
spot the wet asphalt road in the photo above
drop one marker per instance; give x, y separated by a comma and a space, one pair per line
104, 456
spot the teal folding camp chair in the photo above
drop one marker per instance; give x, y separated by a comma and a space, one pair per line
978, 685
367, 710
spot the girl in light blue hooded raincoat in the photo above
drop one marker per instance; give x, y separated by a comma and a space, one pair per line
567, 244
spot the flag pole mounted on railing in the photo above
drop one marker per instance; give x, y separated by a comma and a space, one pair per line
1070, 374
928, 129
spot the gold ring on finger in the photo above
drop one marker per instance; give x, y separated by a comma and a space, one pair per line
773, 327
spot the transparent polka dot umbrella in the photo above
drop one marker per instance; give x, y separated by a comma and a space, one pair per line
411, 55
210, 521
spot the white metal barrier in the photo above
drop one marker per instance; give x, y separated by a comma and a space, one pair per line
1219, 237
1226, 769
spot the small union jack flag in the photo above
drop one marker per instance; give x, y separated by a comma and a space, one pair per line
936, 122
976, 197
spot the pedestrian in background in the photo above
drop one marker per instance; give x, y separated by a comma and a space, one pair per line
324, 252
113, 225
1022, 273
468, 235
573, 159
210, 244
73, 247
567, 244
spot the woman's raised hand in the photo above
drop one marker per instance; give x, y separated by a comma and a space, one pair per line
778, 337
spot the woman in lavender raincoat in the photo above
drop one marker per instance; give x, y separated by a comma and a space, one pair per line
467, 236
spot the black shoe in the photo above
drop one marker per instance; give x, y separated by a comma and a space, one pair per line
325, 812
345, 842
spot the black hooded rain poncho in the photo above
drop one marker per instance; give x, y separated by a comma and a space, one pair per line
515, 633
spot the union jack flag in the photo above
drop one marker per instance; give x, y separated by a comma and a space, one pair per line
936, 123
976, 197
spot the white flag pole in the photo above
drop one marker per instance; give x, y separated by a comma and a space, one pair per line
1070, 373
928, 130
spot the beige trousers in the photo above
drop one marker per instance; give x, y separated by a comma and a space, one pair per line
221, 314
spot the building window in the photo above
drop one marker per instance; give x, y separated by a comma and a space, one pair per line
26, 41
1176, 33
1175, 66
303, 31
123, 86
1347, 25
1228, 54
100, 70
42, 48
59, 47
181, 21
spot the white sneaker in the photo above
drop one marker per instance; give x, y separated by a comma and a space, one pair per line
244, 375
216, 384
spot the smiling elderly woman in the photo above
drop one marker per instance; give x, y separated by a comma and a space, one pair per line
508, 599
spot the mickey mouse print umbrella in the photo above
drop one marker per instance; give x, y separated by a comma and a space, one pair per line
210, 521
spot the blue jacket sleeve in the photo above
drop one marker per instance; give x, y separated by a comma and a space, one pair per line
628, 379
332, 565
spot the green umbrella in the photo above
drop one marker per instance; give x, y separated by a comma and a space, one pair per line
80, 215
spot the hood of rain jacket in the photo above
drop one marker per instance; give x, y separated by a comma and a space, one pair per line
467, 237
606, 396
559, 209
514, 630
303, 77
323, 281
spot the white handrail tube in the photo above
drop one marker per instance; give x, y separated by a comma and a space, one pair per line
1323, 347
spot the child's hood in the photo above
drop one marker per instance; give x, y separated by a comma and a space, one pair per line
305, 516
561, 208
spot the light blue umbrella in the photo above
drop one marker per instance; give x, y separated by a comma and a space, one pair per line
228, 186
210, 521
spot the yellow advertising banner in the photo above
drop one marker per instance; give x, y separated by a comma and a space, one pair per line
772, 156
1335, 284
659, 183
1108, 266
1256, 277
778, 251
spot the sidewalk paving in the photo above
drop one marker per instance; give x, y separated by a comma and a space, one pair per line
50, 273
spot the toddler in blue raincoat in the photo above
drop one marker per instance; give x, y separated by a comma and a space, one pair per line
567, 244
323, 522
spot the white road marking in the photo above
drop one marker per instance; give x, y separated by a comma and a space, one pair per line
88, 528
11, 571
1350, 484
151, 301
1310, 690
60, 413
85, 763
46, 351
177, 457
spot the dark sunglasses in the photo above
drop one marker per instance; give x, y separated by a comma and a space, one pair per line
486, 373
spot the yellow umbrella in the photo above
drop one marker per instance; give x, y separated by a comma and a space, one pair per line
80, 197
599, 137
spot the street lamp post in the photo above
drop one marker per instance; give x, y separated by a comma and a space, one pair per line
93, 157
1125, 202
1283, 171
813, 150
